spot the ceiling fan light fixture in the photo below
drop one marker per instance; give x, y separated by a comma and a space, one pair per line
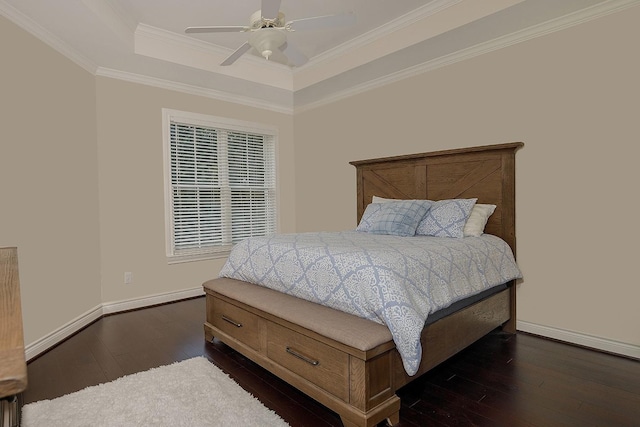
266, 40
268, 33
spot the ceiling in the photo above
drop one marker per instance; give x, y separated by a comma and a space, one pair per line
144, 41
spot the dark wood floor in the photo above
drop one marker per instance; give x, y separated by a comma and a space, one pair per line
502, 380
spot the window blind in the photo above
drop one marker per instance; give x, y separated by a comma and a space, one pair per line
222, 187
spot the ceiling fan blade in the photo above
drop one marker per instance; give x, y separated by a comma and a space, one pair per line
237, 54
320, 22
295, 57
229, 29
270, 9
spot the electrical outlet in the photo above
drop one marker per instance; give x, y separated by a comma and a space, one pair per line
128, 277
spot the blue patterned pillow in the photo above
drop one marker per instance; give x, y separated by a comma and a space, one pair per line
368, 217
398, 218
446, 218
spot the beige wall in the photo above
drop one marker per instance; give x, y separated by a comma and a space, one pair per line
82, 183
573, 98
49, 180
132, 223
81, 167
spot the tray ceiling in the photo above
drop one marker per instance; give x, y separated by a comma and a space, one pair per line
144, 41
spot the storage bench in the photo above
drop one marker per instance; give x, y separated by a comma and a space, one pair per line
328, 354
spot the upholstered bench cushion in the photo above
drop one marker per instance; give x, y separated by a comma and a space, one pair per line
342, 327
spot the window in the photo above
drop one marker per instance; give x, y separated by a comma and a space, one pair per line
219, 184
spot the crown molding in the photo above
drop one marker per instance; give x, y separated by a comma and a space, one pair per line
548, 27
417, 15
179, 49
430, 21
194, 90
261, 101
45, 36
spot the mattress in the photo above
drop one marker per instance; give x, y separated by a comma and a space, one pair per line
463, 303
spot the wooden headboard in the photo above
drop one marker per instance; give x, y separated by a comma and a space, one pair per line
486, 172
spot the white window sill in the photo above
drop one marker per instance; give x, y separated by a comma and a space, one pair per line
178, 259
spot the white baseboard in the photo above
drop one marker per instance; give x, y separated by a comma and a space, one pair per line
580, 339
43, 344
132, 304
68, 329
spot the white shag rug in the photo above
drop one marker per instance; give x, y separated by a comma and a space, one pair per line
190, 393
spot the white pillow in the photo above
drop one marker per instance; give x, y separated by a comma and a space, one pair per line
376, 199
478, 219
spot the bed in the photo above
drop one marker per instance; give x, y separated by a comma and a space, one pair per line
349, 363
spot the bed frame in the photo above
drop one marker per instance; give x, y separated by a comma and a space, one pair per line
350, 364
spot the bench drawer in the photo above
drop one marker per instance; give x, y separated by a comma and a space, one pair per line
317, 362
237, 322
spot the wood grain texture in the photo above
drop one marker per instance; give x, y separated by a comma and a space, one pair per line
13, 367
450, 335
330, 368
483, 172
354, 383
238, 323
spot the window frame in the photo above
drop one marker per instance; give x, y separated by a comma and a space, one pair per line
197, 119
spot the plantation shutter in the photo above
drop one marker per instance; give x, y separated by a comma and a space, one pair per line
222, 187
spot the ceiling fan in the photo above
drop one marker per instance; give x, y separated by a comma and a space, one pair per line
268, 33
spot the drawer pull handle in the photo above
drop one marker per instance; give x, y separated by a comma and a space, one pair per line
233, 322
302, 357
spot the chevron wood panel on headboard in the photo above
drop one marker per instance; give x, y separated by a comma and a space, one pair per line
486, 172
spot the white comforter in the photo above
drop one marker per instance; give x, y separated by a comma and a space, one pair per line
396, 281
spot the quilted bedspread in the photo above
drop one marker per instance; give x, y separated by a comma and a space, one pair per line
396, 281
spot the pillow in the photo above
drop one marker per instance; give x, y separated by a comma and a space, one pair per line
478, 219
399, 218
372, 209
367, 217
446, 218
376, 199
